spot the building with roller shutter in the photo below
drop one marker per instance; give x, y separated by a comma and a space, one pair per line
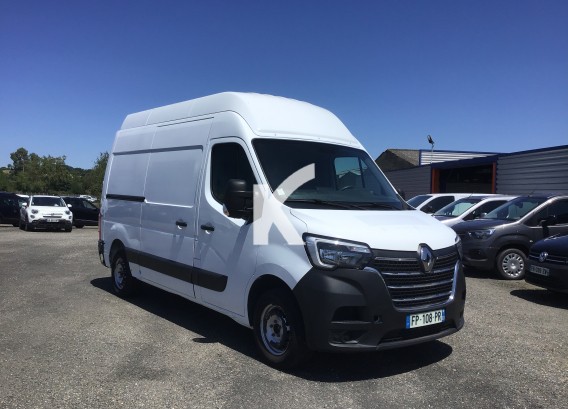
519, 173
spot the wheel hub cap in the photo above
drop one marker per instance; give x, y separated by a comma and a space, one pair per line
275, 330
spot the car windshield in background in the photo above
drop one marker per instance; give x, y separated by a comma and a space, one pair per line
516, 208
345, 178
457, 208
418, 200
48, 201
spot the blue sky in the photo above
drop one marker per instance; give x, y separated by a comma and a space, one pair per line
486, 76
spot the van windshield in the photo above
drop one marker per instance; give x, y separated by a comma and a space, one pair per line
345, 178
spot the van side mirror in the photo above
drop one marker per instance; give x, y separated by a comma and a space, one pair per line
238, 200
427, 209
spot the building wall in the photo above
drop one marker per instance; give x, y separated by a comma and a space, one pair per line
543, 171
428, 157
412, 182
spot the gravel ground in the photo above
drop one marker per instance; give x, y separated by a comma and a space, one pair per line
67, 342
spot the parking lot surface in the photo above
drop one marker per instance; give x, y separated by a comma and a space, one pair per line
67, 342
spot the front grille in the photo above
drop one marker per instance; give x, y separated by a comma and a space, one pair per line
408, 286
52, 215
551, 258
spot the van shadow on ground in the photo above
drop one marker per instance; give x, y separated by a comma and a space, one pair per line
481, 274
543, 297
213, 327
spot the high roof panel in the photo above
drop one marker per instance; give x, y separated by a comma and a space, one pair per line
267, 115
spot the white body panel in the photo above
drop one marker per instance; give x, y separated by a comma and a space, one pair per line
158, 174
387, 230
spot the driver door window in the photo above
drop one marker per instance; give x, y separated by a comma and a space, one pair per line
229, 161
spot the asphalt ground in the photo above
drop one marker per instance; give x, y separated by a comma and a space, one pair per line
67, 342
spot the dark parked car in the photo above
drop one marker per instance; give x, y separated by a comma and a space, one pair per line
502, 238
84, 212
9, 208
547, 265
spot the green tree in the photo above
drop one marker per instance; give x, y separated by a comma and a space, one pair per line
6, 181
20, 158
94, 179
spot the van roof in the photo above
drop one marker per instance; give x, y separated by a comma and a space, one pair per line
266, 115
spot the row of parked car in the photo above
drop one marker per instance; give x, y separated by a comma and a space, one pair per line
519, 237
47, 212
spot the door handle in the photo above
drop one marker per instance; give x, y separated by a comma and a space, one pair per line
207, 227
181, 223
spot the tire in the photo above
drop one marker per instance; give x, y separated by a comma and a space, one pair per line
68, 229
123, 284
79, 225
15, 224
22, 225
279, 330
511, 264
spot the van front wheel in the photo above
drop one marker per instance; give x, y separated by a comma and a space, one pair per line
123, 284
511, 264
279, 331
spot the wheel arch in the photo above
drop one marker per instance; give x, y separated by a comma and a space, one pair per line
260, 286
116, 247
512, 245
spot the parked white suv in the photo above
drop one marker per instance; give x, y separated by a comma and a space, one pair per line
45, 212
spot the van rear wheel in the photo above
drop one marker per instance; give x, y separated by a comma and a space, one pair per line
123, 284
279, 330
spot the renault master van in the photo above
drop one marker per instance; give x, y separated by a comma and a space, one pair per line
269, 211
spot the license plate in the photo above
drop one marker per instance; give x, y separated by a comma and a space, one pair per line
52, 220
543, 271
425, 318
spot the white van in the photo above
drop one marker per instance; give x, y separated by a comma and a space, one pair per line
346, 265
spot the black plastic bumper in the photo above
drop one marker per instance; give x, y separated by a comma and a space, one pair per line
44, 224
479, 256
351, 310
556, 280
101, 247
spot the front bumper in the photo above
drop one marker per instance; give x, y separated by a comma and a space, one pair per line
351, 310
478, 254
556, 280
101, 247
44, 224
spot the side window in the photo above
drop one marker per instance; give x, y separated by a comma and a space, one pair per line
89, 205
486, 208
229, 161
439, 202
348, 173
558, 209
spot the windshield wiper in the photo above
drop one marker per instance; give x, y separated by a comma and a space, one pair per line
376, 205
322, 202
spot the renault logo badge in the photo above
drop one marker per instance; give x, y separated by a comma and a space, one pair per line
426, 258
542, 256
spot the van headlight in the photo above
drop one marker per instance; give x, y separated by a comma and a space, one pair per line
459, 247
329, 253
481, 234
